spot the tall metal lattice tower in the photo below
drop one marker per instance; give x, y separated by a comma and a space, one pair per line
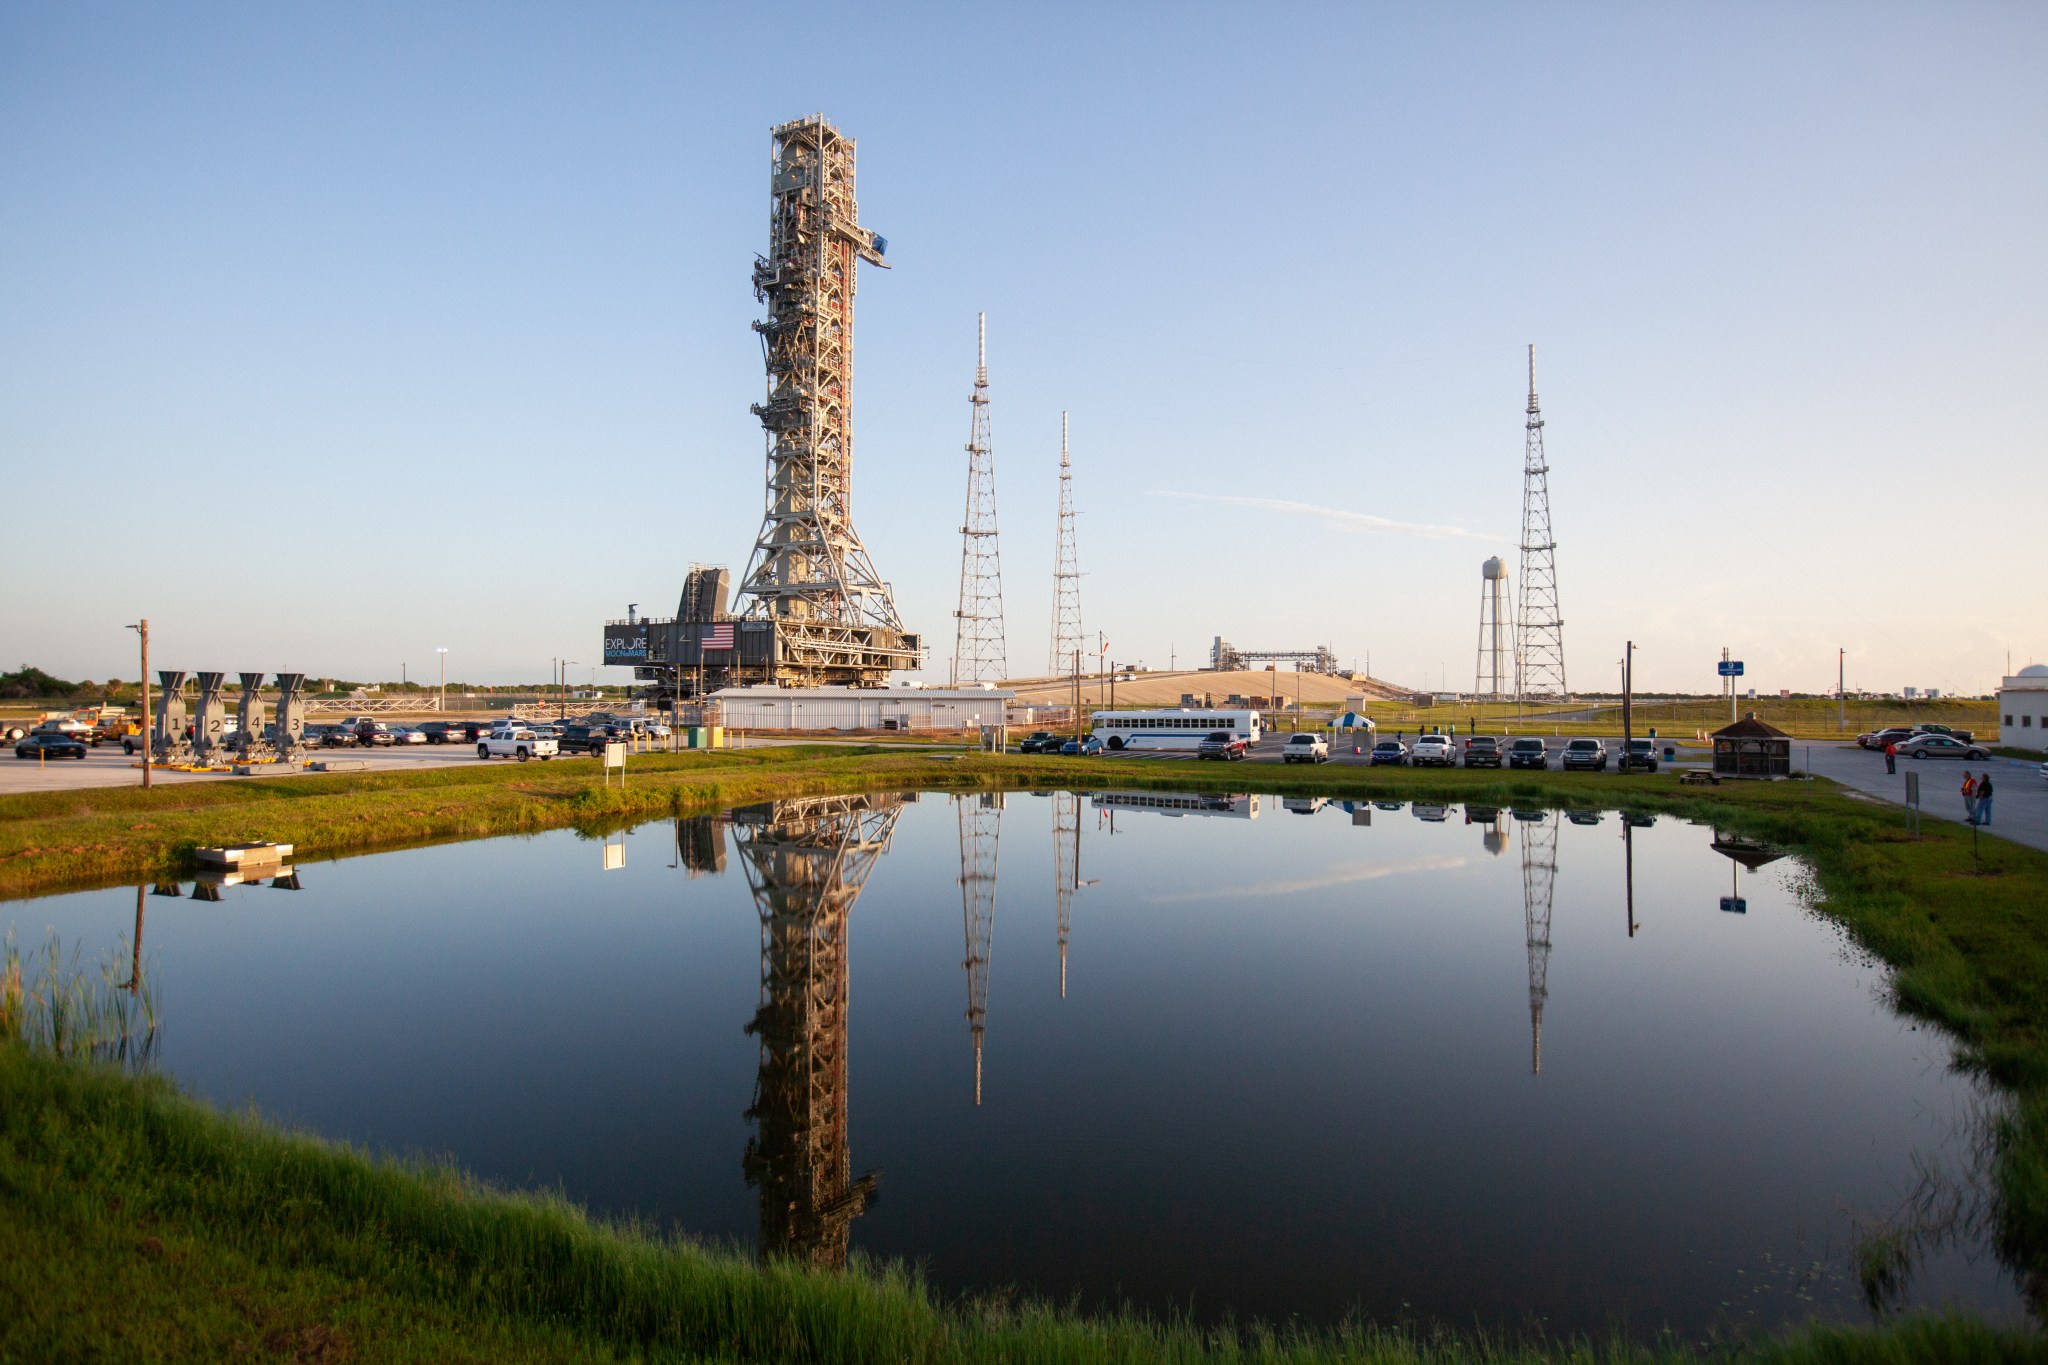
1066, 868
1539, 881
806, 861
1066, 572
981, 821
1539, 628
979, 651
834, 618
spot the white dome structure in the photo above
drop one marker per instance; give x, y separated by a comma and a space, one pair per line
2030, 671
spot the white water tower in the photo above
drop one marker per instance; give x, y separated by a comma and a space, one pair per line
1495, 675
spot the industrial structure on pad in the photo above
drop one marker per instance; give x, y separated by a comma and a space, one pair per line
812, 636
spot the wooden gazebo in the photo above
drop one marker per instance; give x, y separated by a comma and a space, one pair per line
1750, 748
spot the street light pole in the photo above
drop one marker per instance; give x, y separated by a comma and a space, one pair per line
443, 653
142, 629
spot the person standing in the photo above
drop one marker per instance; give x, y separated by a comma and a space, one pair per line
1984, 798
1891, 756
1969, 797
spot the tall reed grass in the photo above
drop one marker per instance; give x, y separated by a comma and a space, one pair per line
67, 1010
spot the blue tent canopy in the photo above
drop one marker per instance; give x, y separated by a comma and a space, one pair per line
1351, 720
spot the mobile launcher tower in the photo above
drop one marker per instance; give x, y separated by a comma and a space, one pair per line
812, 611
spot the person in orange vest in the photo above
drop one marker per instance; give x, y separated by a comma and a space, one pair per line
1969, 797
1891, 756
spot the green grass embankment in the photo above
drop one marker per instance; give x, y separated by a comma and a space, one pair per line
129, 1216
137, 1226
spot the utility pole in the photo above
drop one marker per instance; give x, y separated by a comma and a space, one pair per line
1628, 678
1842, 687
1077, 696
442, 652
142, 629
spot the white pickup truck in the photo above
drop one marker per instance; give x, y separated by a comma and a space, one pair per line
1305, 748
516, 741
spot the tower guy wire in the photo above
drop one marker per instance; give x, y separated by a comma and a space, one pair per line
980, 653
1539, 627
1066, 571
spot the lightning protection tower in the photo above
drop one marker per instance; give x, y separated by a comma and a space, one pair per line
979, 651
1494, 676
834, 619
1066, 571
1066, 868
1540, 639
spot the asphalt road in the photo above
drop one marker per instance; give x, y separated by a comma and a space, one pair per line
2019, 804
107, 766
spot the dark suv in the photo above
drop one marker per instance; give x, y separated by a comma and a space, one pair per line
1041, 742
1528, 753
1638, 753
587, 739
1482, 751
1584, 754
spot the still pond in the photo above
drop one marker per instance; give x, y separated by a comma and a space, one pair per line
1216, 1055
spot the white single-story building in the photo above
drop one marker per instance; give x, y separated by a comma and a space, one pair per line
862, 708
2023, 708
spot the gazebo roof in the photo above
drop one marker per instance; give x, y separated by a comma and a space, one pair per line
1749, 727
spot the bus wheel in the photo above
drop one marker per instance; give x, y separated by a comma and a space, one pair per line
1116, 741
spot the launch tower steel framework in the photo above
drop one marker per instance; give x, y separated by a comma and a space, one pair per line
1539, 628
809, 576
980, 653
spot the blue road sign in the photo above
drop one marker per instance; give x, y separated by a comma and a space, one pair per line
1731, 668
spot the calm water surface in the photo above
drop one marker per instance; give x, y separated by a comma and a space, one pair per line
1281, 1059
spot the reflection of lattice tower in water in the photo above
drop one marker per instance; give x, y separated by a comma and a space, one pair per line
981, 820
1494, 676
806, 861
1539, 879
1066, 867
979, 651
1066, 571
1540, 638
809, 573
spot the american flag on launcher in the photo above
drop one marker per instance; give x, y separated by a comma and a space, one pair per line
718, 636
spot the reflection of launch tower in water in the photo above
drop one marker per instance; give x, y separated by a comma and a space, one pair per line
806, 861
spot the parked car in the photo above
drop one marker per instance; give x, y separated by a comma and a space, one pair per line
1082, 748
1224, 745
1388, 751
513, 740
42, 743
1305, 748
1638, 753
1584, 754
1040, 742
375, 733
407, 734
1433, 751
1941, 746
1891, 734
586, 739
1929, 728
1482, 751
1528, 753
443, 732
66, 726
338, 737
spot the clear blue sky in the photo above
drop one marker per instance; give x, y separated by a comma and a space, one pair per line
330, 335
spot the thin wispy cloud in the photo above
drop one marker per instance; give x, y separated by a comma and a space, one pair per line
1346, 874
1336, 516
